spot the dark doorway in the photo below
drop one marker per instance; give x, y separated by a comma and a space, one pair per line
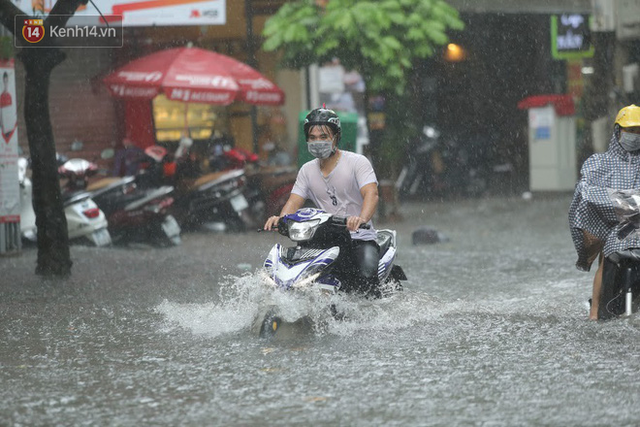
507, 58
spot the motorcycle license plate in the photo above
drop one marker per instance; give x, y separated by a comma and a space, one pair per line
170, 226
239, 203
101, 237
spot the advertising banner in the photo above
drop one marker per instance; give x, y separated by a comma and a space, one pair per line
134, 13
9, 186
571, 37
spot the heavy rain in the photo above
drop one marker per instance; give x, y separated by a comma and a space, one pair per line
174, 144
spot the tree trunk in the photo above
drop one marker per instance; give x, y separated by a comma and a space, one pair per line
53, 238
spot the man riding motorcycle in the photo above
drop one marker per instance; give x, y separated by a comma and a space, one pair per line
342, 183
592, 219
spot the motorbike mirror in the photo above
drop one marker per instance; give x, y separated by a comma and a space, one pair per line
107, 153
76, 145
61, 159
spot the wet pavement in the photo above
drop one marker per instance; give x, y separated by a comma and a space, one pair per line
491, 329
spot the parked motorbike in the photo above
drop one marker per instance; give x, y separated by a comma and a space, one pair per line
227, 157
86, 223
268, 186
133, 214
438, 165
322, 241
137, 214
199, 198
268, 189
621, 296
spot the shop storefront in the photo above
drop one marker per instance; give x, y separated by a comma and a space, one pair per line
78, 91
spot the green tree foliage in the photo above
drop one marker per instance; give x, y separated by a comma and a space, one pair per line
381, 39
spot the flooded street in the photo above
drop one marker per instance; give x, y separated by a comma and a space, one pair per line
491, 330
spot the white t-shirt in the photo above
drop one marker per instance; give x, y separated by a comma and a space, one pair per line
339, 193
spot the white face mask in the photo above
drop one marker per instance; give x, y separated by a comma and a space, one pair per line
320, 149
630, 141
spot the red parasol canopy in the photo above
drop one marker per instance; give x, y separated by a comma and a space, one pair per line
191, 74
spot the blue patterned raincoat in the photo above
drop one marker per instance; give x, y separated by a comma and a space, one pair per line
592, 219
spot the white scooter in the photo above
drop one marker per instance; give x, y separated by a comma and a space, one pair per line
321, 260
85, 221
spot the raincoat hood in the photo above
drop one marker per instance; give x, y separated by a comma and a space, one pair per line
592, 219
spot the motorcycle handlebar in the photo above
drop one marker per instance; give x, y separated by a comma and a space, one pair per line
342, 220
336, 220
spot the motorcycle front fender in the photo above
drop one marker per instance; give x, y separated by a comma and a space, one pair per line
287, 275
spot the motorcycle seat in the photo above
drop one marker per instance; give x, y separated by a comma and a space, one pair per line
75, 197
214, 178
103, 183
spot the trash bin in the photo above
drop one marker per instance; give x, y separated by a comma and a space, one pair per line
552, 142
349, 123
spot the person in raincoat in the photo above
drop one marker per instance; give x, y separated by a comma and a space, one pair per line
592, 219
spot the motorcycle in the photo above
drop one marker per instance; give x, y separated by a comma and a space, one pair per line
621, 296
438, 166
133, 213
268, 186
199, 198
322, 243
268, 189
227, 157
136, 214
85, 221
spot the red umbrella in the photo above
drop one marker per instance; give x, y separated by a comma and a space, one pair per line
191, 74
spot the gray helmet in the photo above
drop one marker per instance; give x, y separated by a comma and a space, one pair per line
323, 117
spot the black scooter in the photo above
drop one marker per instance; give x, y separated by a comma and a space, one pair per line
200, 199
440, 165
137, 214
620, 290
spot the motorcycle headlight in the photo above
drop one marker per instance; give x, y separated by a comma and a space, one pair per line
301, 231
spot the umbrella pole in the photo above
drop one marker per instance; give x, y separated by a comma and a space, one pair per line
186, 120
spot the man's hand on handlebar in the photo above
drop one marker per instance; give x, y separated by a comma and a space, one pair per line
354, 222
272, 223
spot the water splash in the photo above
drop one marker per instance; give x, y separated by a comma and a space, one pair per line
243, 302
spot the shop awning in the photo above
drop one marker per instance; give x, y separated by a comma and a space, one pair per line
563, 104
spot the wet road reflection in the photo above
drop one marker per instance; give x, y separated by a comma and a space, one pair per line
491, 330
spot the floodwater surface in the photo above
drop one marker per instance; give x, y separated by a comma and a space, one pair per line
491, 330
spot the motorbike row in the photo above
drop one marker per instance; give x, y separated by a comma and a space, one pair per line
164, 197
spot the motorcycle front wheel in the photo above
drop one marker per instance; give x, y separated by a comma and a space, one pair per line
270, 324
